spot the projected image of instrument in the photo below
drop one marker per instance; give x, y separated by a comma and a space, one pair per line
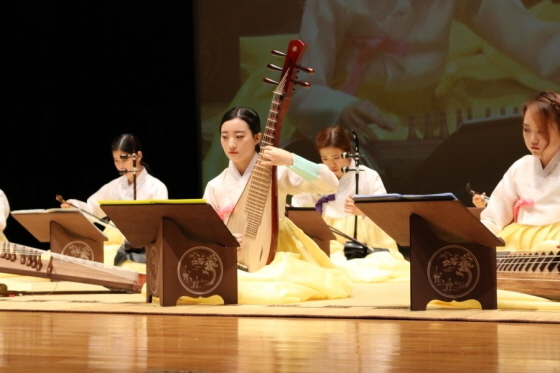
255, 215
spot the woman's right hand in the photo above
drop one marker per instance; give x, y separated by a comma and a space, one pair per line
65, 205
350, 207
479, 200
239, 238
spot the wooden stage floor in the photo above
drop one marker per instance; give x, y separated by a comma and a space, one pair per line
82, 342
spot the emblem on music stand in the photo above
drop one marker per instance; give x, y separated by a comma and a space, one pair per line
200, 270
153, 261
453, 271
78, 249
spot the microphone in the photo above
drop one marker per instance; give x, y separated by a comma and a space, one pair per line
124, 171
346, 155
345, 169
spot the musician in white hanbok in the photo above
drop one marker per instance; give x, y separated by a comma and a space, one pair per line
524, 209
339, 212
135, 178
300, 270
122, 189
4, 213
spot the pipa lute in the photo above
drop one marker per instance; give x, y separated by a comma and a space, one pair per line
255, 214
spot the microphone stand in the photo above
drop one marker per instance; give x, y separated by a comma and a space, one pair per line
357, 162
354, 248
134, 165
134, 172
134, 169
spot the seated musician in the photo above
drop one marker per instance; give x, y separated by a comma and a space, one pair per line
4, 213
300, 268
135, 182
525, 206
339, 212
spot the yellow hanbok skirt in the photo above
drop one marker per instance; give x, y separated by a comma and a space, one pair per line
300, 271
519, 237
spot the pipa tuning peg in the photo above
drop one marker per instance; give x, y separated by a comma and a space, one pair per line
278, 53
273, 67
303, 84
308, 70
270, 81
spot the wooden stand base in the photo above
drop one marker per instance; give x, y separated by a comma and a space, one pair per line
449, 271
68, 243
183, 265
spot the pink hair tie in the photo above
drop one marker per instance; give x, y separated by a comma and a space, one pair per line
523, 202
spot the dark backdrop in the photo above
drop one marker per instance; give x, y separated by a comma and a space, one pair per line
80, 73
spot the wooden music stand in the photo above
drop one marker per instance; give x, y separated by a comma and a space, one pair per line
313, 225
189, 250
68, 231
453, 255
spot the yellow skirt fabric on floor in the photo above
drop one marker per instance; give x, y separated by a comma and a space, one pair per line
289, 279
506, 300
520, 237
300, 271
292, 239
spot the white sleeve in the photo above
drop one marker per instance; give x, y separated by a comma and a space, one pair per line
305, 199
323, 181
499, 211
4, 210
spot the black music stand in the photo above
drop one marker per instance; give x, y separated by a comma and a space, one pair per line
189, 250
453, 255
313, 225
68, 231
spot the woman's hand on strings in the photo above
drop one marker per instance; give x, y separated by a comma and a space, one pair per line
350, 207
273, 156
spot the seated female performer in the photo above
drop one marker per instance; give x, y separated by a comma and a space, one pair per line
123, 149
339, 211
525, 206
300, 269
4, 213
